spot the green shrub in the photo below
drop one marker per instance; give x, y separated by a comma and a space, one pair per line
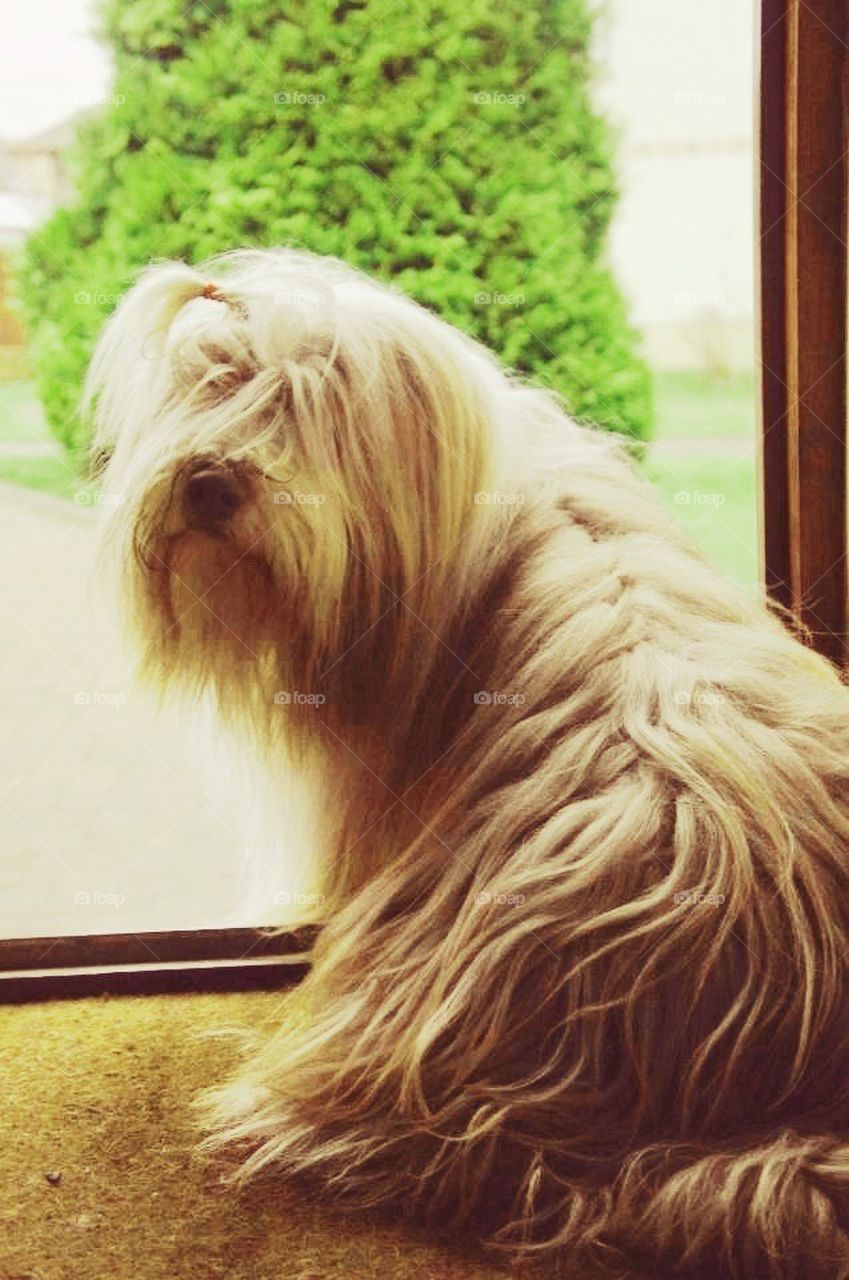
450, 147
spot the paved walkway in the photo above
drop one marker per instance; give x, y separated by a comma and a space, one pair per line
107, 822
29, 449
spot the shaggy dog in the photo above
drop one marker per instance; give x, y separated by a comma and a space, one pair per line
583, 805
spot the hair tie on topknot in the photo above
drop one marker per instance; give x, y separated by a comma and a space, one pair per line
214, 294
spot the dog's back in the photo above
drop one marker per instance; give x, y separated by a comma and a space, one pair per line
583, 979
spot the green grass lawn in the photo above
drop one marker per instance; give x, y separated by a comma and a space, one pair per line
23, 426
48, 475
21, 415
715, 499
713, 496
691, 406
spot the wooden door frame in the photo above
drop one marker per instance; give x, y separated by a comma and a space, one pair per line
235, 959
802, 232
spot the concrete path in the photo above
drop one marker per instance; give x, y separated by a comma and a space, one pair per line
29, 449
107, 816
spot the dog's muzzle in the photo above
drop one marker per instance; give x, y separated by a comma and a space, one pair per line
212, 495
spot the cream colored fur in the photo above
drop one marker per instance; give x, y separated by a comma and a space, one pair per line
582, 982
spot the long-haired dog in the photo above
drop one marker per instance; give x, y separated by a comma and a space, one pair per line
584, 805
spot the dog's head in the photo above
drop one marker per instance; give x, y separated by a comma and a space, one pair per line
296, 452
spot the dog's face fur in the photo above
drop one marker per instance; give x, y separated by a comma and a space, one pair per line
584, 968
293, 450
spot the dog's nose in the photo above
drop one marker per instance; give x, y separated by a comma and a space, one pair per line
212, 496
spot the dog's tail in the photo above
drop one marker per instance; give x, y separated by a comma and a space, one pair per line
778, 1210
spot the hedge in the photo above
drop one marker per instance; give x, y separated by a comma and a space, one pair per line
449, 146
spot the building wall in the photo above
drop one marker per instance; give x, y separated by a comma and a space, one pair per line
11, 331
677, 78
